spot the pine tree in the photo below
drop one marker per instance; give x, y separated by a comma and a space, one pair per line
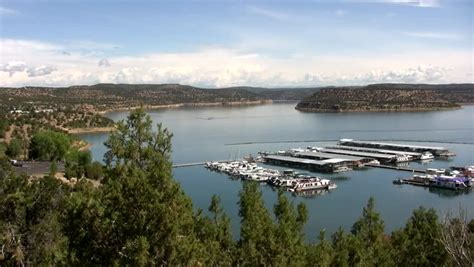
289, 238
320, 254
419, 242
256, 228
368, 232
141, 209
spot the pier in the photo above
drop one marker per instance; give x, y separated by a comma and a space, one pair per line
188, 164
396, 168
182, 165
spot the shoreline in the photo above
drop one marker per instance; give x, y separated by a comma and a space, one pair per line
91, 130
310, 110
179, 105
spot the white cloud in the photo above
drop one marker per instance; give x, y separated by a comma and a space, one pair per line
26, 62
13, 66
433, 35
268, 13
415, 3
4, 11
40, 71
104, 63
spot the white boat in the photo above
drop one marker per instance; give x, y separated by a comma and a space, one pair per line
403, 158
315, 184
426, 156
342, 169
374, 162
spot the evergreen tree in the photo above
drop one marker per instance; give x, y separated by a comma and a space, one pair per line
419, 242
371, 248
289, 238
320, 254
30, 229
256, 228
342, 247
215, 235
14, 148
139, 210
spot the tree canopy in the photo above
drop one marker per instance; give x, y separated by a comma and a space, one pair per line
49, 145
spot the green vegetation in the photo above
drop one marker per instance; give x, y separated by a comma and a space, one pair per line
388, 97
79, 164
139, 216
14, 148
4, 126
111, 96
49, 145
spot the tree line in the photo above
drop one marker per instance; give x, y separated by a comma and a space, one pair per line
139, 216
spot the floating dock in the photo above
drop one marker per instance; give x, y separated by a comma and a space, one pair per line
329, 165
396, 168
341, 160
415, 155
378, 156
437, 151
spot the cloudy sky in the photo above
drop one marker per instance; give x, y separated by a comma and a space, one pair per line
228, 43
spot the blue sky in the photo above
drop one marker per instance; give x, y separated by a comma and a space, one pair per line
228, 43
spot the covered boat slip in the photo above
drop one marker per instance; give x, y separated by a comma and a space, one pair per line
329, 165
437, 151
376, 150
343, 160
378, 156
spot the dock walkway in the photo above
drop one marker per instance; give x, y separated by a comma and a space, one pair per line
396, 168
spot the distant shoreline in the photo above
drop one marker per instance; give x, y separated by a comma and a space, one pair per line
394, 110
179, 105
91, 130
150, 107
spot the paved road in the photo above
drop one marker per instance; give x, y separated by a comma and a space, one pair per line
36, 167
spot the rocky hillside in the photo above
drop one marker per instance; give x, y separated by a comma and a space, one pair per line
388, 97
283, 94
106, 96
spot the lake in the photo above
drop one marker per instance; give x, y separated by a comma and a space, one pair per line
222, 133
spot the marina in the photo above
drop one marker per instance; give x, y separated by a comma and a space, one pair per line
286, 124
341, 158
287, 179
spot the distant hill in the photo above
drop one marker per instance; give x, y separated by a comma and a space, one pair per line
107, 96
388, 97
126, 95
283, 94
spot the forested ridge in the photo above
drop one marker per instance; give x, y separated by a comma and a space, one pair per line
388, 97
139, 216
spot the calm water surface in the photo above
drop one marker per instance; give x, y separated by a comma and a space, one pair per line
217, 133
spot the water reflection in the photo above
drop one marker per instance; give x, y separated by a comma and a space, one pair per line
447, 193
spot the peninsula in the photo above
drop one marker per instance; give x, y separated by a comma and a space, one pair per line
388, 97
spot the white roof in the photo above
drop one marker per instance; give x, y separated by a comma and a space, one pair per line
334, 160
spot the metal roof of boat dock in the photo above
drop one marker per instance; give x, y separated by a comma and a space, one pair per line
296, 160
383, 151
394, 145
358, 153
329, 156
